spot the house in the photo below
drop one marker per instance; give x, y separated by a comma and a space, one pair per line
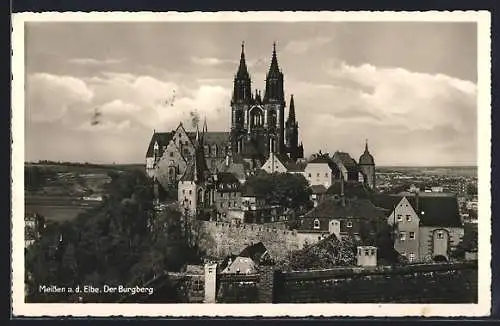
235, 165
169, 153
247, 261
347, 166
257, 252
281, 163
33, 226
336, 215
227, 192
318, 193
427, 225
256, 209
321, 170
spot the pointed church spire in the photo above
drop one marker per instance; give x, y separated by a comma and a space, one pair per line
205, 129
366, 145
197, 135
242, 69
291, 113
274, 69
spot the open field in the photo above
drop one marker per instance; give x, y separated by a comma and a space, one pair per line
58, 191
458, 171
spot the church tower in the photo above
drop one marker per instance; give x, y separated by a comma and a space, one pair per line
293, 149
240, 104
274, 104
257, 122
367, 167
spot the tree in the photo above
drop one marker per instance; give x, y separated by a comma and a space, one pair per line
122, 241
284, 189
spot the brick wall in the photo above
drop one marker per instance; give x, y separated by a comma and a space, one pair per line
226, 239
431, 283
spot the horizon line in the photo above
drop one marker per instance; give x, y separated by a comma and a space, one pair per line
376, 166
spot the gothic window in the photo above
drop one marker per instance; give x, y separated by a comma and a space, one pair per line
240, 146
172, 174
200, 196
272, 119
239, 118
256, 118
207, 197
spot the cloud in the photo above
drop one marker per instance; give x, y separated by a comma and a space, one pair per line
302, 46
50, 97
414, 117
210, 61
94, 62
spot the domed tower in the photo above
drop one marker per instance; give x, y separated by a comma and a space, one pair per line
367, 167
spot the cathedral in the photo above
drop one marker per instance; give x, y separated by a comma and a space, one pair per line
258, 124
257, 129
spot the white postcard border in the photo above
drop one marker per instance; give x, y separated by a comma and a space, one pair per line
20, 308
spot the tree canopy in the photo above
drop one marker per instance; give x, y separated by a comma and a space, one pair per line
124, 241
285, 189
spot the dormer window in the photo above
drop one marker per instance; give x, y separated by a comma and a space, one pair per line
316, 224
349, 224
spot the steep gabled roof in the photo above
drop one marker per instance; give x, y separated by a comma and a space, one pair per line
439, 210
346, 160
163, 138
333, 208
255, 251
219, 138
224, 179
324, 159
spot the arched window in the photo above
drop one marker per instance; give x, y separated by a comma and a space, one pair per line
240, 146
200, 196
239, 118
172, 174
256, 118
316, 223
272, 119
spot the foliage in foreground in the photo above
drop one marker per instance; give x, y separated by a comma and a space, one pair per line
122, 242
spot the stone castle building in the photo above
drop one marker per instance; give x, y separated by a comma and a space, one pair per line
259, 137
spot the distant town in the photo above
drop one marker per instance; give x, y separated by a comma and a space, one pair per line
244, 216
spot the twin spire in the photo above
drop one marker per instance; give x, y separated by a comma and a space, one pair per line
242, 73
242, 69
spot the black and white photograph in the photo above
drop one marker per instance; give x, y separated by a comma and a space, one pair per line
186, 161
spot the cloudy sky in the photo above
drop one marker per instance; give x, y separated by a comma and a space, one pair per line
409, 88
